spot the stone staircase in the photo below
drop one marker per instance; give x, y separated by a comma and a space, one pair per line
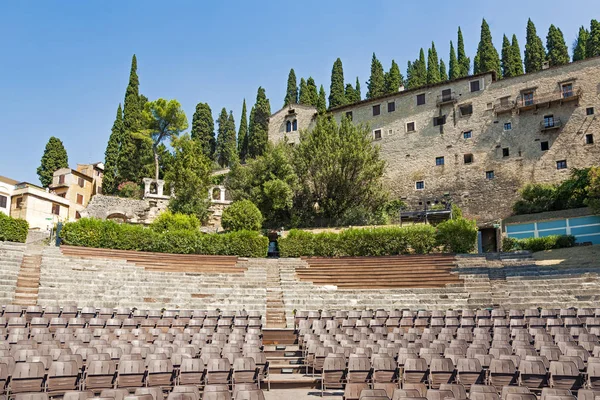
11, 258
28, 281
275, 306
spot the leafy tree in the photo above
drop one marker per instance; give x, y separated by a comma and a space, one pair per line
443, 72
453, 65
162, 119
311, 87
226, 145
258, 132
417, 72
242, 215
321, 101
243, 135
189, 177
487, 58
336, 90
112, 155
291, 96
350, 93
357, 90
376, 83
593, 189
579, 47
339, 169
433, 65
518, 61
54, 158
203, 129
534, 50
592, 47
464, 62
304, 97
393, 79
558, 53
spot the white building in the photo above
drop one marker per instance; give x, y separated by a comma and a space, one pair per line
7, 187
38, 206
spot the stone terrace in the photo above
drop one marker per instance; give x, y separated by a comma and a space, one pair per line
11, 257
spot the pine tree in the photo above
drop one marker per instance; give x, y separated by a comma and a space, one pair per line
487, 58
516, 53
534, 50
357, 90
433, 66
291, 95
592, 47
464, 62
54, 158
321, 101
304, 97
312, 91
443, 72
243, 135
350, 93
393, 79
558, 53
417, 72
579, 48
259, 134
336, 90
112, 176
203, 129
454, 66
376, 83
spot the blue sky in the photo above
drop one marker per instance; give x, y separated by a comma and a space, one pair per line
65, 64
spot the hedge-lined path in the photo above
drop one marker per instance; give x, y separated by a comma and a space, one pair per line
28, 281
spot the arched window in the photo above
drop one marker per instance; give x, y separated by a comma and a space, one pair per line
288, 126
295, 125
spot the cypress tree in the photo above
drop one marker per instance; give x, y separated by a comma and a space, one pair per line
393, 79
243, 135
259, 132
112, 177
487, 58
507, 58
312, 91
592, 47
231, 141
417, 72
321, 101
454, 67
203, 129
579, 48
54, 158
464, 62
350, 93
558, 53
336, 90
516, 53
357, 90
304, 97
250, 128
291, 95
443, 72
534, 50
433, 66
376, 83
132, 109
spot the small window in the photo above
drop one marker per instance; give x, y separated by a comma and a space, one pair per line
505, 101
295, 125
467, 109
19, 203
420, 185
505, 152
439, 120
390, 132
562, 164
3, 201
377, 134
79, 199
475, 87
56, 209
288, 126
508, 126
439, 161
467, 134
376, 110
468, 158
392, 106
489, 175
63, 195
77, 215
548, 121
349, 115
528, 98
589, 111
410, 127
421, 99
589, 139
61, 179
544, 146
81, 182
567, 90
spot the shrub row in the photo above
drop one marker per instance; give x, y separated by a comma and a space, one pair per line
89, 232
13, 229
538, 244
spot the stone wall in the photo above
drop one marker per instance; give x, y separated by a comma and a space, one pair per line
304, 116
126, 210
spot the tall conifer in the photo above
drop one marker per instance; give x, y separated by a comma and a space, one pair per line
259, 134
453, 64
112, 155
357, 90
516, 52
487, 58
417, 72
592, 47
242, 139
433, 66
321, 101
350, 94
558, 53
203, 129
579, 47
534, 50
304, 97
463, 61
443, 72
291, 94
54, 158
312, 91
376, 83
393, 79
336, 90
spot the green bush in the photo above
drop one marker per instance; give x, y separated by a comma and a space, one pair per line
457, 235
168, 221
538, 244
89, 232
242, 215
130, 190
510, 244
13, 229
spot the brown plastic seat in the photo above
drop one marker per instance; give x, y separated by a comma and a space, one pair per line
191, 372
436, 394
352, 391
100, 375
333, 372
359, 370
564, 375
532, 374
63, 376
78, 395
130, 374
160, 373
155, 392
582, 394
469, 372
458, 390
245, 370
31, 396
483, 396
441, 370
502, 373
27, 377
218, 371
415, 370
3, 377
385, 370
190, 392
116, 394
210, 394
521, 396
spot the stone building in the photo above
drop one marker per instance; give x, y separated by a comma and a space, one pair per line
477, 140
286, 123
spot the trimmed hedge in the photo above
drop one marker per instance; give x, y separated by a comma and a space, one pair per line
242, 215
89, 232
457, 235
13, 229
538, 244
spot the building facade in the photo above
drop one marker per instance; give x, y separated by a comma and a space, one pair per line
286, 123
7, 187
477, 140
39, 207
74, 186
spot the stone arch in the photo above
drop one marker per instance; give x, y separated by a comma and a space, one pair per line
215, 193
118, 217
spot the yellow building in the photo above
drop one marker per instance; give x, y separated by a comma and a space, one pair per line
74, 186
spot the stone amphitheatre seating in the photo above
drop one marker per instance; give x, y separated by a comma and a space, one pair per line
11, 256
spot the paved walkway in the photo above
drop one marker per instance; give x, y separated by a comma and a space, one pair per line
300, 394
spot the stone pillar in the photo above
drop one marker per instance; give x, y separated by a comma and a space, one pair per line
222, 189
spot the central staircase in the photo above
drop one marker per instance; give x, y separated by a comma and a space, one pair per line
28, 280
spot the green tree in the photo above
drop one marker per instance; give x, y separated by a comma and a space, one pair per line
443, 72
350, 93
304, 97
242, 215
313, 94
593, 189
189, 177
357, 90
322, 101
433, 65
579, 47
534, 50
339, 169
243, 135
592, 47
54, 158
112, 155
487, 58
226, 145
464, 62
507, 62
518, 61
162, 119
132, 109
376, 83
336, 90
417, 72
453, 64
291, 96
393, 79
203, 129
258, 132
558, 53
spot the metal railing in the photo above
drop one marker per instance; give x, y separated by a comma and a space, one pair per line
446, 98
524, 101
550, 123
